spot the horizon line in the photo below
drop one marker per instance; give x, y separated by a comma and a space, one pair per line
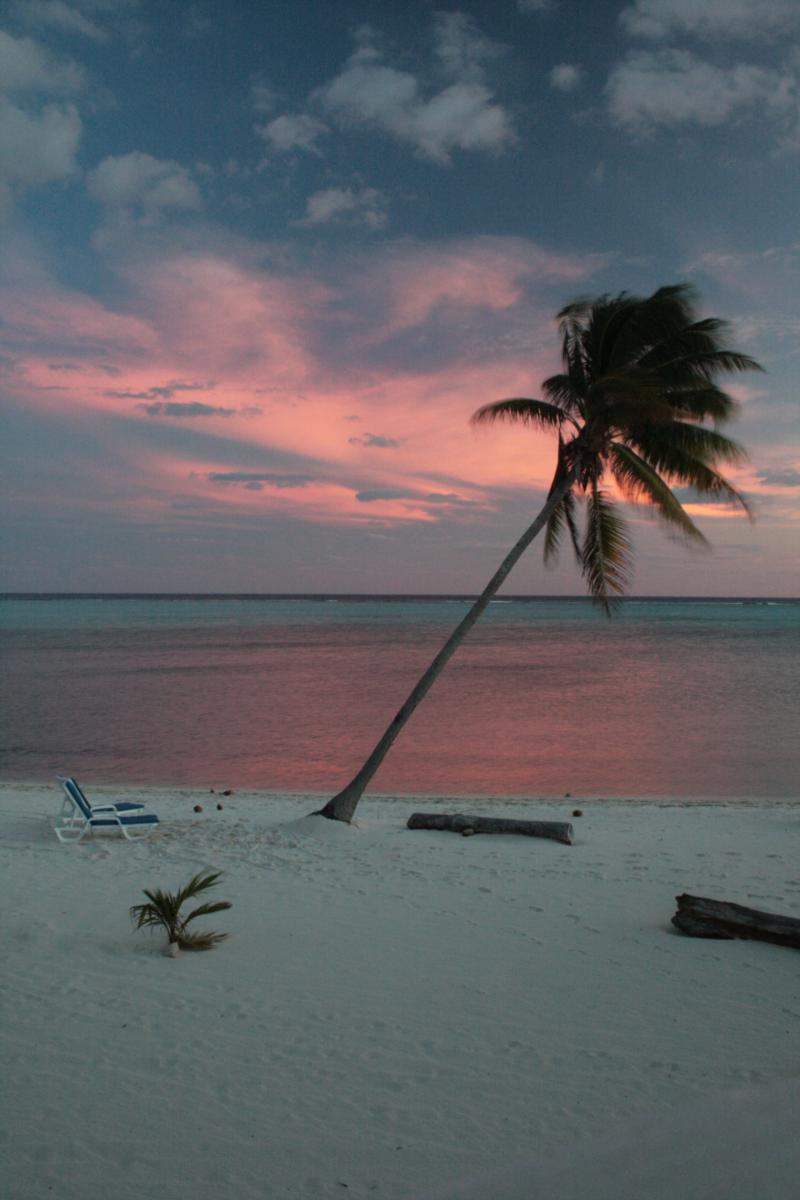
358, 596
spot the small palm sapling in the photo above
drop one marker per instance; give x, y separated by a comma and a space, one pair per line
163, 909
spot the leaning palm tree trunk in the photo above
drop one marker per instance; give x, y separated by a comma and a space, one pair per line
638, 383
343, 805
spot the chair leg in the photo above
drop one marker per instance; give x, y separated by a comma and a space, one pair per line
137, 837
70, 832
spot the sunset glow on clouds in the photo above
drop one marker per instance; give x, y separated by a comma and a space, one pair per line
250, 356
202, 343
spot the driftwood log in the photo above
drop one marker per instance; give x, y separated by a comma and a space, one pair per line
700, 917
558, 831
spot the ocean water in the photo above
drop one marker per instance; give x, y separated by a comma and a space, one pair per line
546, 697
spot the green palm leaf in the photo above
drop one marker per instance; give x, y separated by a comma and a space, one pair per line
618, 401
200, 941
702, 402
206, 909
685, 457
695, 350
706, 444
561, 391
530, 412
561, 516
163, 909
569, 505
639, 380
200, 882
607, 550
637, 479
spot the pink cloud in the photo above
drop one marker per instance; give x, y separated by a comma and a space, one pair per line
280, 363
490, 273
240, 323
47, 323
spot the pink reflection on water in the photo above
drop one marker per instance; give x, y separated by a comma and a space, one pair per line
601, 709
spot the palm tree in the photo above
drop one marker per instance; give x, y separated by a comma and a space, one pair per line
630, 409
164, 910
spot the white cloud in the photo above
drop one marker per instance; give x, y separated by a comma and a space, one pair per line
38, 142
368, 94
55, 14
674, 87
262, 96
461, 47
364, 206
711, 19
461, 117
566, 77
295, 131
137, 189
36, 148
26, 67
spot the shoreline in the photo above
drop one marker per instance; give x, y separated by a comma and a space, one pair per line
99, 789
394, 1011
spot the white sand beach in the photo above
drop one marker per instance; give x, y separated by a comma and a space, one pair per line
398, 1014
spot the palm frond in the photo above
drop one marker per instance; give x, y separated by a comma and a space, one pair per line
707, 482
572, 326
163, 910
690, 362
200, 882
528, 412
607, 550
552, 534
146, 914
636, 396
610, 338
572, 525
709, 445
576, 313
620, 401
205, 910
561, 391
685, 454
697, 350
563, 515
641, 324
702, 402
637, 479
200, 941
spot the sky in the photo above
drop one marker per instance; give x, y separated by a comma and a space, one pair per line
260, 262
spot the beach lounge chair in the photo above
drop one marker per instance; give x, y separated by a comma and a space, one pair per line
78, 817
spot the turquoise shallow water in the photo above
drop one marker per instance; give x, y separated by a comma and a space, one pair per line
680, 698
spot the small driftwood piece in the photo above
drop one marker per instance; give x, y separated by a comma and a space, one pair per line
700, 917
558, 831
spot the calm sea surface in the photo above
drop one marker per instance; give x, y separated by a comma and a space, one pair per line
669, 698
